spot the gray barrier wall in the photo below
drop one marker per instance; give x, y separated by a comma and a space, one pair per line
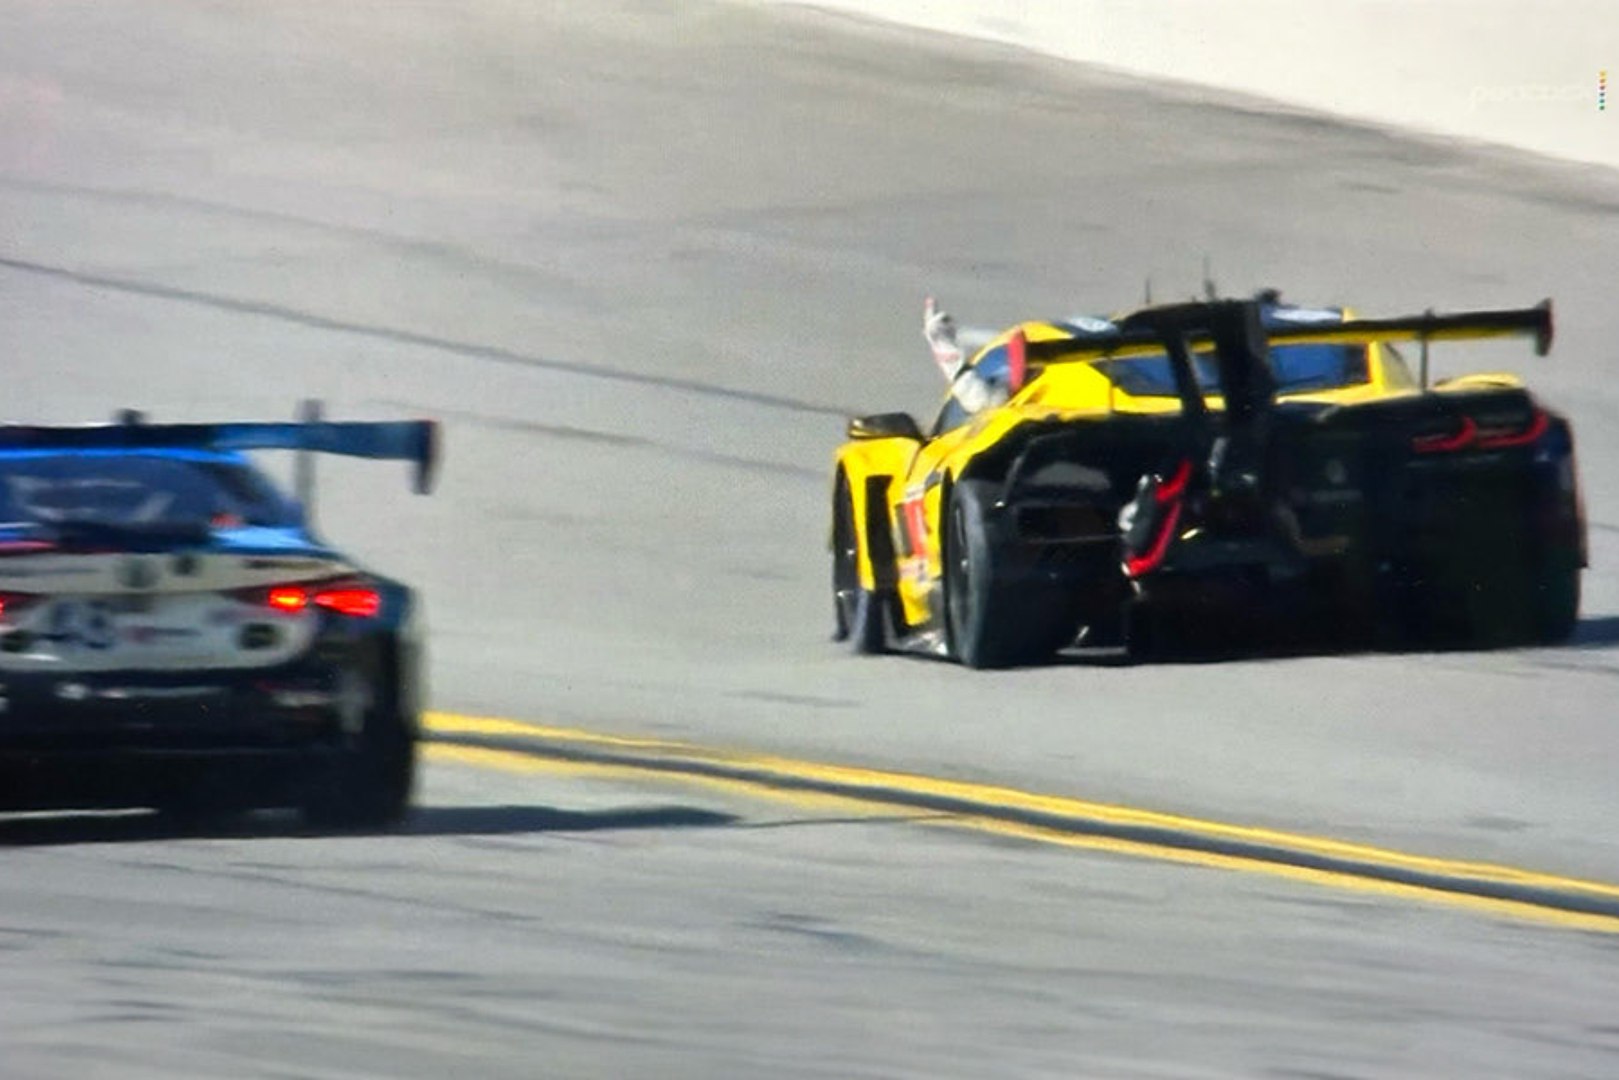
1520, 73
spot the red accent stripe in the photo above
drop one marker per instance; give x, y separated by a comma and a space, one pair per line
1153, 557
1175, 486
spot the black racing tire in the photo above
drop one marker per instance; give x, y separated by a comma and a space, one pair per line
1538, 604
1554, 605
1157, 632
991, 619
1144, 638
201, 806
369, 782
861, 614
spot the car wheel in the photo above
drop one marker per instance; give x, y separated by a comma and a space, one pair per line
1556, 605
1538, 604
861, 613
990, 621
201, 806
369, 783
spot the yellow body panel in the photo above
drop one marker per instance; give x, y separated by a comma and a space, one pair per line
860, 460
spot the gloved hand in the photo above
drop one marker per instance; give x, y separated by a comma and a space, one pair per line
939, 329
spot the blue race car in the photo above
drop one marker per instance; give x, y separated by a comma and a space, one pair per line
173, 634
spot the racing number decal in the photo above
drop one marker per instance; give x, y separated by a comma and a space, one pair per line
89, 625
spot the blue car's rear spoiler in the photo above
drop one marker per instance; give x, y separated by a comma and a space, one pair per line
415, 441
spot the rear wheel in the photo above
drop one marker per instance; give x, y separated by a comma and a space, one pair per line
1555, 605
861, 614
201, 805
992, 619
369, 783
1534, 604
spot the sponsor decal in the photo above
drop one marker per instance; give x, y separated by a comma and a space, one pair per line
916, 523
137, 573
1307, 315
72, 691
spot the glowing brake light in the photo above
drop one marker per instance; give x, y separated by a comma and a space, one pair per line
357, 602
13, 602
345, 598
288, 598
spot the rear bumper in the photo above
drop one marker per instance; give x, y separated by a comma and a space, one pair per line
87, 778
130, 739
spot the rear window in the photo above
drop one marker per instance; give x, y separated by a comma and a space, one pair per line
137, 490
1297, 368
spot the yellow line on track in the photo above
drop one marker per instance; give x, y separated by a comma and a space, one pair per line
526, 762
543, 748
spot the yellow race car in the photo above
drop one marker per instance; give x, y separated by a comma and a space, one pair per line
1180, 472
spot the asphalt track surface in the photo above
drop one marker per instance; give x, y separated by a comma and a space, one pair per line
642, 260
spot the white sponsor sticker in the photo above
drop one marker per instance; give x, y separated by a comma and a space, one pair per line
1307, 315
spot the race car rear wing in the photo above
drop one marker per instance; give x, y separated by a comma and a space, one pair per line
415, 441
1125, 340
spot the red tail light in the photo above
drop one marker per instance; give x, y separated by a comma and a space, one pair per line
12, 603
1441, 444
1471, 435
1493, 440
361, 603
352, 598
26, 547
289, 598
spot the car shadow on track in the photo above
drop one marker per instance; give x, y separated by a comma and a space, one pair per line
506, 820
62, 829
1593, 632
1596, 633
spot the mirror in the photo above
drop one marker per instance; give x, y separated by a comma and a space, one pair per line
889, 425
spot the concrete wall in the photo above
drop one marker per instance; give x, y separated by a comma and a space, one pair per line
1508, 71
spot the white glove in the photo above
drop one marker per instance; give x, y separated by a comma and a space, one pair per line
939, 329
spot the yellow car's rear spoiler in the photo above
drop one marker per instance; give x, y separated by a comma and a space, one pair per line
1461, 326
1123, 341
